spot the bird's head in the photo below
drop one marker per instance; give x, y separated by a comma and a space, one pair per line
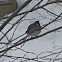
36, 22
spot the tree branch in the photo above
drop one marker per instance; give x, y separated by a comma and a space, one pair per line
13, 15
30, 39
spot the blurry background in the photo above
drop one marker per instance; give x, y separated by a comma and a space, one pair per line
39, 47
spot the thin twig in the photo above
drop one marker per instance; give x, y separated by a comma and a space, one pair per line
13, 15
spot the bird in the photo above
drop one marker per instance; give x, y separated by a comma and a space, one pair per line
33, 29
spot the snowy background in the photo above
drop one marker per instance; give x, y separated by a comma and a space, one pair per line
49, 42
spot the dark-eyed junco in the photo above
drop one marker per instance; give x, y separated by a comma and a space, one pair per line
33, 29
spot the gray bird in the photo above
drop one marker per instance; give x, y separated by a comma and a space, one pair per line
33, 29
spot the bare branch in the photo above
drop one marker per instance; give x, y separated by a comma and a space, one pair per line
10, 18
